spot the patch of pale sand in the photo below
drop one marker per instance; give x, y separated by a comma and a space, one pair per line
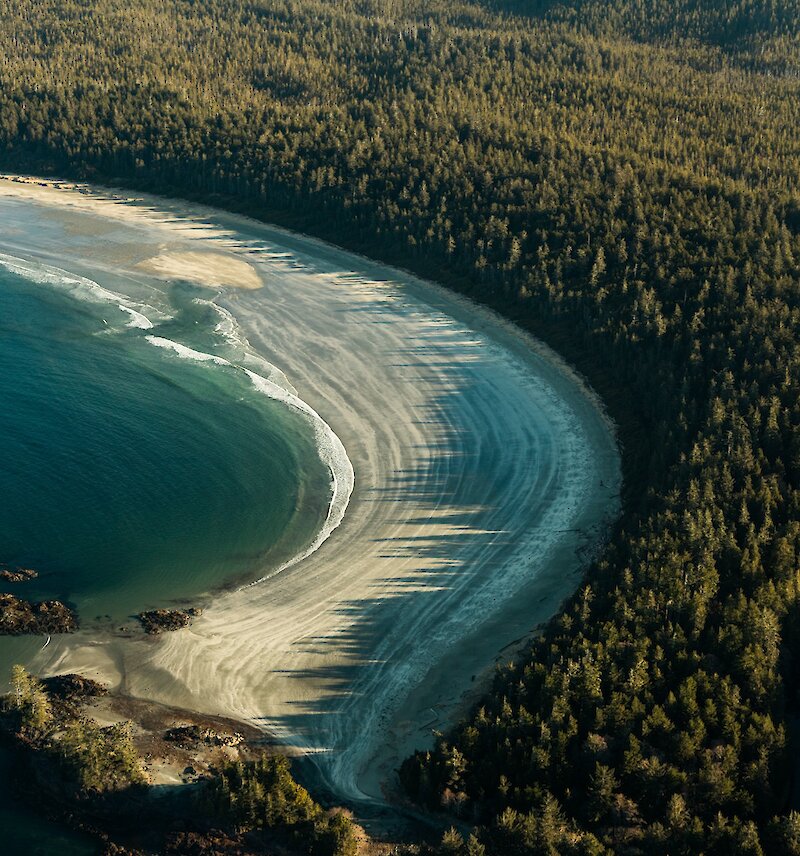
485, 471
211, 270
107, 204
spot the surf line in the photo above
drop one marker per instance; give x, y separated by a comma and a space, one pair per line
329, 447
79, 287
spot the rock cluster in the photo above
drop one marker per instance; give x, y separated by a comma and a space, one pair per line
20, 575
160, 620
73, 687
188, 735
19, 617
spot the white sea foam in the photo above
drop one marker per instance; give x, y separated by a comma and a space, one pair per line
138, 320
79, 287
332, 452
330, 448
187, 353
229, 328
47, 275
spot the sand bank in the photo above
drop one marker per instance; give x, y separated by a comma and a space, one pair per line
211, 270
485, 470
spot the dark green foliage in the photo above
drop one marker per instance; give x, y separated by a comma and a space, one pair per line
30, 704
99, 759
263, 795
620, 176
741, 27
91, 757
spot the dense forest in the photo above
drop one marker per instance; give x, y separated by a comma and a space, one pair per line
620, 176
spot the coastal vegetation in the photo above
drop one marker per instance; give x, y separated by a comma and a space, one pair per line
87, 757
262, 794
620, 178
98, 777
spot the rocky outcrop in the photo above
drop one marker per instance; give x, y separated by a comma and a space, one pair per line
213, 843
161, 620
18, 617
20, 575
73, 687
189, 735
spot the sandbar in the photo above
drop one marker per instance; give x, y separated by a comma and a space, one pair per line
211, 270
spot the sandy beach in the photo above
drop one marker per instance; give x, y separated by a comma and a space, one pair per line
486, 472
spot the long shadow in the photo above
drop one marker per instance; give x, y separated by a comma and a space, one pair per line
454, 529
451, 530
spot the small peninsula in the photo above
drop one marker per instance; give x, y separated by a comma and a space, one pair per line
102, 762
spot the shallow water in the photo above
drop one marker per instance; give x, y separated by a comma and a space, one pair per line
485, 469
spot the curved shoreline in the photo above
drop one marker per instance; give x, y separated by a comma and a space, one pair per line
330, 448
484, 463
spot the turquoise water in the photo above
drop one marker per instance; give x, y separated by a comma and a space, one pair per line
131, 477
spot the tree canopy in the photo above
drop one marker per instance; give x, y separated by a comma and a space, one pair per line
620, 177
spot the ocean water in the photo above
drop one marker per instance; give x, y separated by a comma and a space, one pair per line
132, 476
148, 456
141, 466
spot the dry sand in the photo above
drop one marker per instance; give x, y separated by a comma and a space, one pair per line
485, 472
211, 270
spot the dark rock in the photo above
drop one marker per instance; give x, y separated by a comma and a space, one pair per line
184, 735
73, 687
213, 843
19, 616
160, 620
112, 849
21, 575
187, 735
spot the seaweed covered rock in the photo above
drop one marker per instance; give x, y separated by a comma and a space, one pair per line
163, 620
18, 617
20, 575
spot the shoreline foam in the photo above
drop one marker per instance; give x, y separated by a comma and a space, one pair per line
331, 451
